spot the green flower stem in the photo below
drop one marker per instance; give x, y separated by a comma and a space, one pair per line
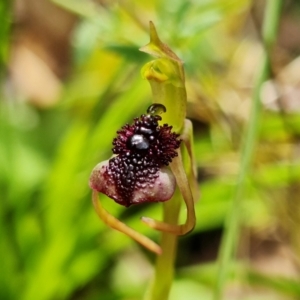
164, 268
230, 237
166, 77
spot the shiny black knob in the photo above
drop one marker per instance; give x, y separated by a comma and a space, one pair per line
138, 142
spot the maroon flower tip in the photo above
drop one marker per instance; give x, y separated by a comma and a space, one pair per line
138, 172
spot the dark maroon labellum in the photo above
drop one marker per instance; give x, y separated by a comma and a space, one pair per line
142, 150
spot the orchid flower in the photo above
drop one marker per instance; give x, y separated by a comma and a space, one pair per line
148, 159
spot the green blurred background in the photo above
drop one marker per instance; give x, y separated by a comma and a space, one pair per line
70, 77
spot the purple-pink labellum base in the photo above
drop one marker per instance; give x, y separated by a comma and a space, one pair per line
161, 189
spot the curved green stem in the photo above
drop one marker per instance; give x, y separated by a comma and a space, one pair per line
184, 187
114, 223
230, 237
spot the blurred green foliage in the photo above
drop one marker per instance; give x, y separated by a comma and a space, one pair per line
52, 246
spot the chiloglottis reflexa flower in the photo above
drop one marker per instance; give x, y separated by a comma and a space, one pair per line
138, 172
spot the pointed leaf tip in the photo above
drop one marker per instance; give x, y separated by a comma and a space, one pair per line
156, 47
153, 32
